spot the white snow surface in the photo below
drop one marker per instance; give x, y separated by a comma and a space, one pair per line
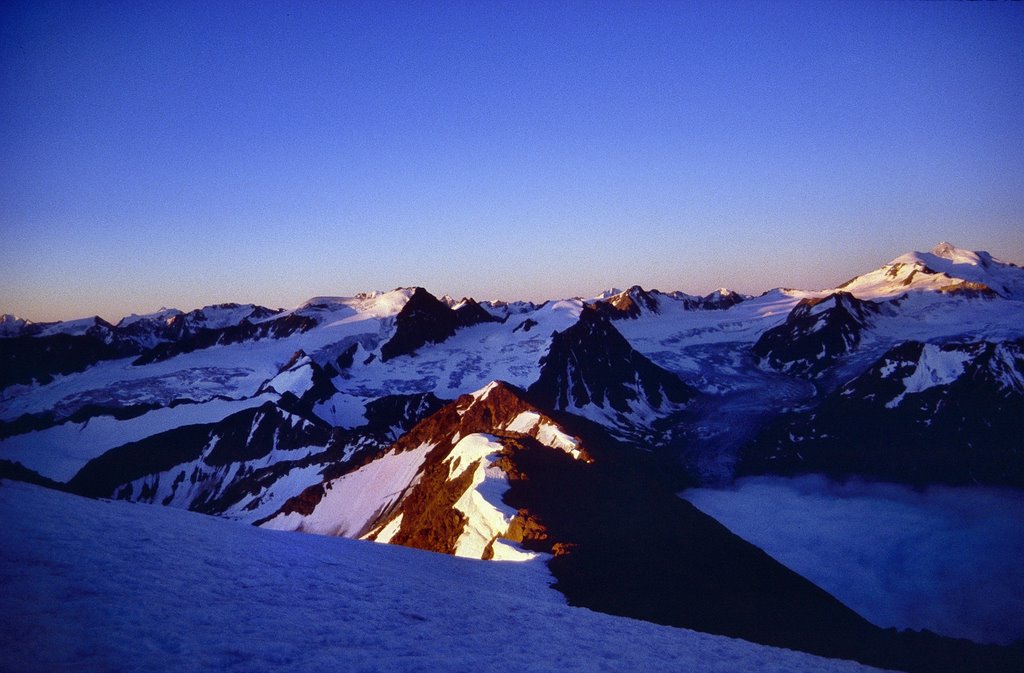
529, 423
105, 586
297, 380
354, 500
950, 560
524, 422
936, 367
487, 515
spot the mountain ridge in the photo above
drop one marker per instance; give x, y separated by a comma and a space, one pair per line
504, 430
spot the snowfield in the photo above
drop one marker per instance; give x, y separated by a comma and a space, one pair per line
355, 499
113, 586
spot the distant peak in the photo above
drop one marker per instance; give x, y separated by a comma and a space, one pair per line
945, 249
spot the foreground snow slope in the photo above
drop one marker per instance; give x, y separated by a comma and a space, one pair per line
91, 585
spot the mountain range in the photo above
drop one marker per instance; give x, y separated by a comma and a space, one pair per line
560, 431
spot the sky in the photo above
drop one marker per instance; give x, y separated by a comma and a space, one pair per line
182, 154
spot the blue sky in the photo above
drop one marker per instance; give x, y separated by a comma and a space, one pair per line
182, 154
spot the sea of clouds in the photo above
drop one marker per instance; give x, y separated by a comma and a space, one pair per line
950, 560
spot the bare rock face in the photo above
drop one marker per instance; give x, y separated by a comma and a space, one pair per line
397, 414
591, 363
424, 319
469, 312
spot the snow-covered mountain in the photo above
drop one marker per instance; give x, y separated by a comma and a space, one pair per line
946, 269
638, 375
507, 430
440, 487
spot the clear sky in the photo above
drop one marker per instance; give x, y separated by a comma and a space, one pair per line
180, 154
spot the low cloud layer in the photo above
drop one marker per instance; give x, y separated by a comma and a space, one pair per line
946, 559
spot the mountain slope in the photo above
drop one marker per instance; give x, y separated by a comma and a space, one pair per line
439, 487
331, 418
623, 543
817, 333
922, 414
590, 369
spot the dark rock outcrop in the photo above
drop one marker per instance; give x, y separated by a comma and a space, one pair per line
396, 414
631, 304
591, 363
424, 319
24, 359
921, 414
103, 476
469, 312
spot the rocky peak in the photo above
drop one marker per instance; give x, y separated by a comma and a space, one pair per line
497, 408
592, 365
423, 319
423, 490
12, 325
722, 298
946, 269
816, 333
469, 312
631, 303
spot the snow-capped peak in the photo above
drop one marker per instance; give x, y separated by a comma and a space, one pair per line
957, 255
79, 327
610, 292
946, 268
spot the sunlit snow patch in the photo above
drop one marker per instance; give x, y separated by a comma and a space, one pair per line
487, 516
